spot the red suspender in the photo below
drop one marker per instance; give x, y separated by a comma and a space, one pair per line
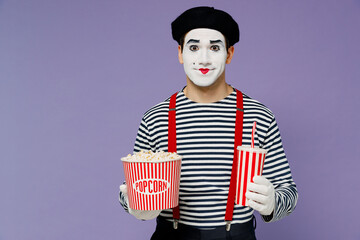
172, 144
237, 142
172, 124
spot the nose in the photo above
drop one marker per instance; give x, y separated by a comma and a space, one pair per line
204, 58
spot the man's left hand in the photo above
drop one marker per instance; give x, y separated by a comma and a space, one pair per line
261, 195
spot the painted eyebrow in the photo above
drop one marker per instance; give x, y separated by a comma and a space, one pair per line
216, 41
193, 41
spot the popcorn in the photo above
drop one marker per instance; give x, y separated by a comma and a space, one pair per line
150, 156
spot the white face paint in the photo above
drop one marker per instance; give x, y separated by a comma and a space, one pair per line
204, 56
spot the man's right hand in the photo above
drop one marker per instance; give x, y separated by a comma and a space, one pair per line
139, 214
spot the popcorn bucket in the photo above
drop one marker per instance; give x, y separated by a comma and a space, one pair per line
250, 163
152, 185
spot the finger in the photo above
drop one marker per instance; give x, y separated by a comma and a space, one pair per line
261, 180
254, 187
256, 197
254, 205
136, 213
154, 214
144, 215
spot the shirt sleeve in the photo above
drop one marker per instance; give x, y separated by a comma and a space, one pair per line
277, 171
141, 143
123, 201
143, 138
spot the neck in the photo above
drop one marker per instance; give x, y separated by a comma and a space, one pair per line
217, 91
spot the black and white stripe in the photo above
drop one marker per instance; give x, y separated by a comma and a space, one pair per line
205, 139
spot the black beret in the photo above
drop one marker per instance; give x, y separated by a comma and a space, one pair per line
205, 17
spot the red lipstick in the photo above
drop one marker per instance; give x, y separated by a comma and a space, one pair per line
204, 70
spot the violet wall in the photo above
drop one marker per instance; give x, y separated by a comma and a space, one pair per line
76, 77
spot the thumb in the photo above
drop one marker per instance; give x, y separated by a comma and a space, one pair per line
123, 189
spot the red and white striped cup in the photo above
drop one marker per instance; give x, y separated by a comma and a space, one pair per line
152, 185
250, 163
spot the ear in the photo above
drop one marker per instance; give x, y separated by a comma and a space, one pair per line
180, 55
230, 54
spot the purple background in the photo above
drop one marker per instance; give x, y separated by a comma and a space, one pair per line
76, 77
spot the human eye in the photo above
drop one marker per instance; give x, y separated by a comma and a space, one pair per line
215, 48
193, 48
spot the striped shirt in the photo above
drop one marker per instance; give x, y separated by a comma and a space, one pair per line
205, 140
